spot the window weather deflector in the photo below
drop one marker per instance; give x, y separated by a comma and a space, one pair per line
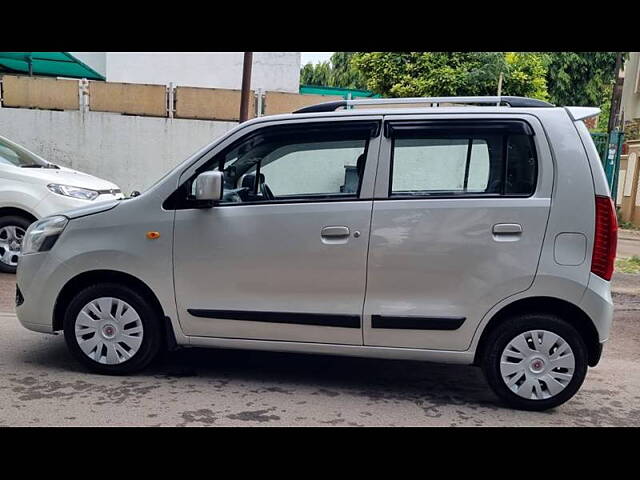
421, 128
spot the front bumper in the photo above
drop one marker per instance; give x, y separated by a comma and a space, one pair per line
19, 297
38, 282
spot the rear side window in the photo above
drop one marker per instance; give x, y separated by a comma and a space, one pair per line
521, 165
462, 159
441, 165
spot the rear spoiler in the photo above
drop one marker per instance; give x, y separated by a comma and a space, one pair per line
582, 113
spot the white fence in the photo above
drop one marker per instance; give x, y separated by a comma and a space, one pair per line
131, 134
131, 151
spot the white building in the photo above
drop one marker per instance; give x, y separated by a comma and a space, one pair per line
274, 71
631, 88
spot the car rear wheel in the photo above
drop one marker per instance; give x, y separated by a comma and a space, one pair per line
12, 229
535, 361
112, 329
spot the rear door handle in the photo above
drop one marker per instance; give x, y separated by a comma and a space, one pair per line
507, 228
333, 232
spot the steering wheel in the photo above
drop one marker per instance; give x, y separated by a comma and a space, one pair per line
235, 195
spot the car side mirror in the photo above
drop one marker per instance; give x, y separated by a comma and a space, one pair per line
208, 186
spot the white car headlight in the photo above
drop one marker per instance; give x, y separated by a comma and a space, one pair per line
75, 192
41, 235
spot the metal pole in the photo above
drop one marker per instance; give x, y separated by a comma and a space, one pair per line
612, 162
246, 86
259, 102
171, 99
616, 96
499, 89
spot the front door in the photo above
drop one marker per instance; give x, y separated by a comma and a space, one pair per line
283, 256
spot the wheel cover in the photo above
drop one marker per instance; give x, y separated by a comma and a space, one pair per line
537, 364
109, 330
10, 241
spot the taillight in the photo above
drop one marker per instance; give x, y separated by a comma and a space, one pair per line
605, 239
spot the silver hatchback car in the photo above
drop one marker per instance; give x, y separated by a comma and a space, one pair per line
481, 232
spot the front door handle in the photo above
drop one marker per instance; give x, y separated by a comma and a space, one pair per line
507, 228
333, 232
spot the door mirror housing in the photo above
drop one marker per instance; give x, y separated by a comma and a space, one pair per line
208, 187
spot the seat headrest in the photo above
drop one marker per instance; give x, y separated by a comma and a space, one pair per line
249, 179
360, 164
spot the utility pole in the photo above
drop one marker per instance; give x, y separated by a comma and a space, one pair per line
499, 88
246, 86
616, 96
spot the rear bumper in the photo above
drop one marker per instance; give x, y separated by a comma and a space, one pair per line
598, 305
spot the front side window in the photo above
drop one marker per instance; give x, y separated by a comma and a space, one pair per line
463, 161
301, 162
314, 168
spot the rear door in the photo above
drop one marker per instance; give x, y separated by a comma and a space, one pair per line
458, 223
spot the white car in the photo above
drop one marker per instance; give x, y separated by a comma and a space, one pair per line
32, 188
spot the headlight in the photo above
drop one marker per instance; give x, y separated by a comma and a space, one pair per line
75, 192
41, 235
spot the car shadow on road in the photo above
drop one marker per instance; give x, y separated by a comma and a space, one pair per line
427, 384
376, 379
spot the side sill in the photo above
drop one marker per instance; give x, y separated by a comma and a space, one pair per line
437, 356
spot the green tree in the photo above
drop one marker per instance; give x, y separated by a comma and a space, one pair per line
403, 74
581, 78
526, 75
344, 74
317, 74
337, 72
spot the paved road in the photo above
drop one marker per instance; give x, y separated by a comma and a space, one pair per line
40, 384
628, 243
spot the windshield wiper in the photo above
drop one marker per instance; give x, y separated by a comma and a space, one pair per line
37, 165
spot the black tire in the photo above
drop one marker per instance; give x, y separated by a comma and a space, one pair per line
15, 221
151, 324
498, 340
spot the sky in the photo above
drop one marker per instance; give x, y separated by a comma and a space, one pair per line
315, 57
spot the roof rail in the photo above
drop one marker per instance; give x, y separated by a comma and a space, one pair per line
509, 101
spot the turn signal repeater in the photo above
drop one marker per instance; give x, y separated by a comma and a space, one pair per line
153, 235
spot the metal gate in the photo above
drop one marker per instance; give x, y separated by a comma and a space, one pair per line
609, 148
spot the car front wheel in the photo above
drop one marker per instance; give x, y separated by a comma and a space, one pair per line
12, 230
535, 361
112, 329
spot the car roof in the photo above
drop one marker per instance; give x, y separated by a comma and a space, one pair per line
431, 105
386, 111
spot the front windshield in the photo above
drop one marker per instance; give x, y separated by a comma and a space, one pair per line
12, 154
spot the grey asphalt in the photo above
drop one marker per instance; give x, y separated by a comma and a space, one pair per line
628, 243
40, 384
